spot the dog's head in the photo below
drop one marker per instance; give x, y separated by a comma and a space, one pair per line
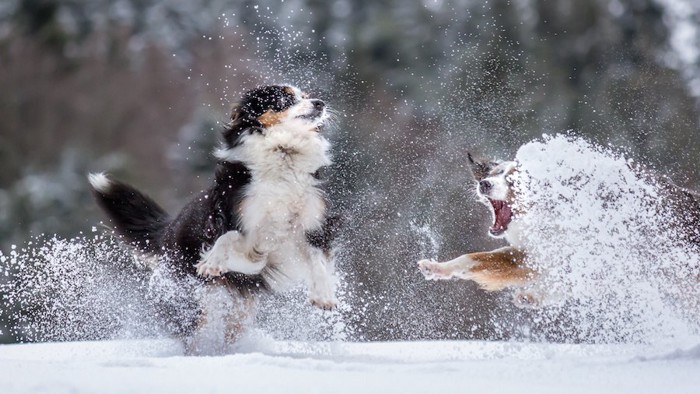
274, 107
495, 189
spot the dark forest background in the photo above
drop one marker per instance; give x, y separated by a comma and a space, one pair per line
140, 88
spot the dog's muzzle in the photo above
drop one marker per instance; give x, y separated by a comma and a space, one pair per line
317, 110
485, 187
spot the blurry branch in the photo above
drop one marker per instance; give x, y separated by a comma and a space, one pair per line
70, 106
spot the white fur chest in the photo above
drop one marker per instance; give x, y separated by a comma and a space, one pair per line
276, 212
282, 202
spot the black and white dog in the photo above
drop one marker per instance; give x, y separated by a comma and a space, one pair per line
262, 225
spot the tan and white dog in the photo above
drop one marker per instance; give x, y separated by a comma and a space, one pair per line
509, 266
501, 268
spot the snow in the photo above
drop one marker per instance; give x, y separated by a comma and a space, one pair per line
321, 367
597, 231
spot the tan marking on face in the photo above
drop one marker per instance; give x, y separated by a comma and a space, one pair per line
272, 118
289, 90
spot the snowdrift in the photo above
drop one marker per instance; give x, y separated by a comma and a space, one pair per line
269, 366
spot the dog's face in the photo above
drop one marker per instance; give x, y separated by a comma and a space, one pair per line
268, 107
495, 189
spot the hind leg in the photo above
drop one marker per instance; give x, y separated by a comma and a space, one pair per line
230, 254
321, 279
495, 270
225, 316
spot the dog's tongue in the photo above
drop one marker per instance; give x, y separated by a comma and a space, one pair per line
503, 217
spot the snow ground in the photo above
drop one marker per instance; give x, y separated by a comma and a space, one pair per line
155, 366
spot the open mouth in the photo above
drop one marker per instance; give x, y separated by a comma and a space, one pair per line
316, 117
502, 214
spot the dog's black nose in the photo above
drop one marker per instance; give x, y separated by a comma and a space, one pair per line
318, 104
485, 186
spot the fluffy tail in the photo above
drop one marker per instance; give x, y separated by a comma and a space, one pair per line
134, 215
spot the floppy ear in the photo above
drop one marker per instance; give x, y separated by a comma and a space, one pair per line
243, 116
480, 168
235, 130
240, 125
235, 113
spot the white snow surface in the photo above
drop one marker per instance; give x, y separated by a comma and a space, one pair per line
269, 366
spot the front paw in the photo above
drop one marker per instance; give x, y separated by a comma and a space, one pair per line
432, 270
323, 299
327, 304
209, 268
217, 260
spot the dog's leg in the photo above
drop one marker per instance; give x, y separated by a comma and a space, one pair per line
238, 321
225, 316
231, 254
493, 270
456, 268
321, 280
